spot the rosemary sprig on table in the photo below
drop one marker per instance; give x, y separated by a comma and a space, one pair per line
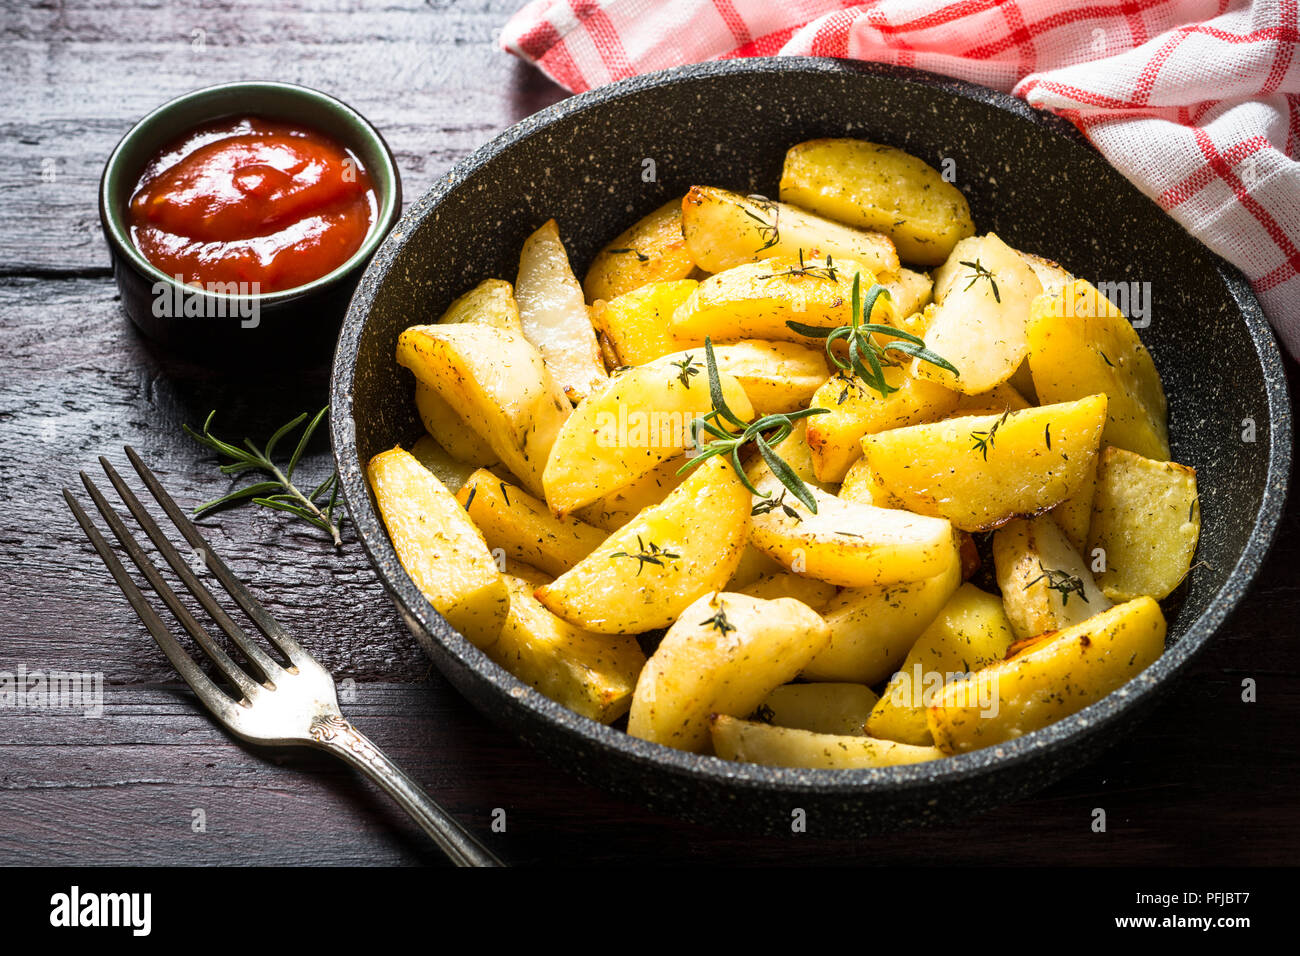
279, 493
764, 432
867, 357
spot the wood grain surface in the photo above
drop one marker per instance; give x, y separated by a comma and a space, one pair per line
1207, 779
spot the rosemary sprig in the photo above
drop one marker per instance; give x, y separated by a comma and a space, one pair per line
1061, 581
686, 368
867, 357
769, 232
771, 504
646, 554
719, 622
280, 493
640, 256
983, 438
981, 271
827, 271
764, 432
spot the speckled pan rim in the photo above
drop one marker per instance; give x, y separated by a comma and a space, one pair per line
512, 693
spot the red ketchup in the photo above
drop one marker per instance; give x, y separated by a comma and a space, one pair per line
248, 200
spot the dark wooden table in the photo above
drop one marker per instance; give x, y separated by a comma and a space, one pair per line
1208, 778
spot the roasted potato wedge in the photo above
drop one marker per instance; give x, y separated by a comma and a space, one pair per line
981, 325
872, 629
449, 430
624, 431
1050, 680
1045, 582
857, 410
724, 655
909, 291
863, 487
646, 573
591, 674
725, 229
776, 376
448, 470
970, 632
879, 188
650, 250
554, 314
830, 708
845, 543
750, 741
523, 527
981, 472
1147, 521
1074, 513
440, 548
617, 508
783, 584
491, 302
756, 300
498, 384
636, 324
1080, 344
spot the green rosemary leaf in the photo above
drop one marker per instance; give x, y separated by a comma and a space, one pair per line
250, 491
785, 474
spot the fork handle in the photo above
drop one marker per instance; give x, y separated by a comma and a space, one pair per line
337, 735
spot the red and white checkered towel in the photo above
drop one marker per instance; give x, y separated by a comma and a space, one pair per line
1196, 101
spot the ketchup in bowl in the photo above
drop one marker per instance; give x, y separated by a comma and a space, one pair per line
264, 205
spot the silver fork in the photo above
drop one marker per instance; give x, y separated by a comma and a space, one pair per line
281, 705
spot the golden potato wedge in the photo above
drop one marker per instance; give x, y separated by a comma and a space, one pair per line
981, 472
756, 300
776, 376
970, 632
1049, 681
591, 674
449, 430
491, 302
882, 189
1074, 513
1045, 583
523, 527
554, 314
863, 487
1052, 275
439, 547
857, 410
650, 250
1147, 521
1080, 344
617, 508
724, 655
783, 584
981, 326
636, 323
627, 429
750, 741
909, 291
845, 543
648, 572
725, 229
995, 401
830, 708
754, 565
451, 472
499, 386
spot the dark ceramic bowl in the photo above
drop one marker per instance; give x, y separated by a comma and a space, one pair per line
1030, 177
215, 325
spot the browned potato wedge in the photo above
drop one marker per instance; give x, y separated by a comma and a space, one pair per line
445, 468
591, 674
523, 527
776, 376
1045, 583
1074, 513
981, 325
783, 584
497, 384
970, 632
981, 472
756, 300
636, 323
449, 430
1080, 344
857, 410
830, 708
749, 741
624, 431
1050, 680
440, 548
863, 487
909, 291
554, 314
880, 188
725, 229
1147, 521
617, 508
724, 655
872, 629
651, 569
650, 250
491, 302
